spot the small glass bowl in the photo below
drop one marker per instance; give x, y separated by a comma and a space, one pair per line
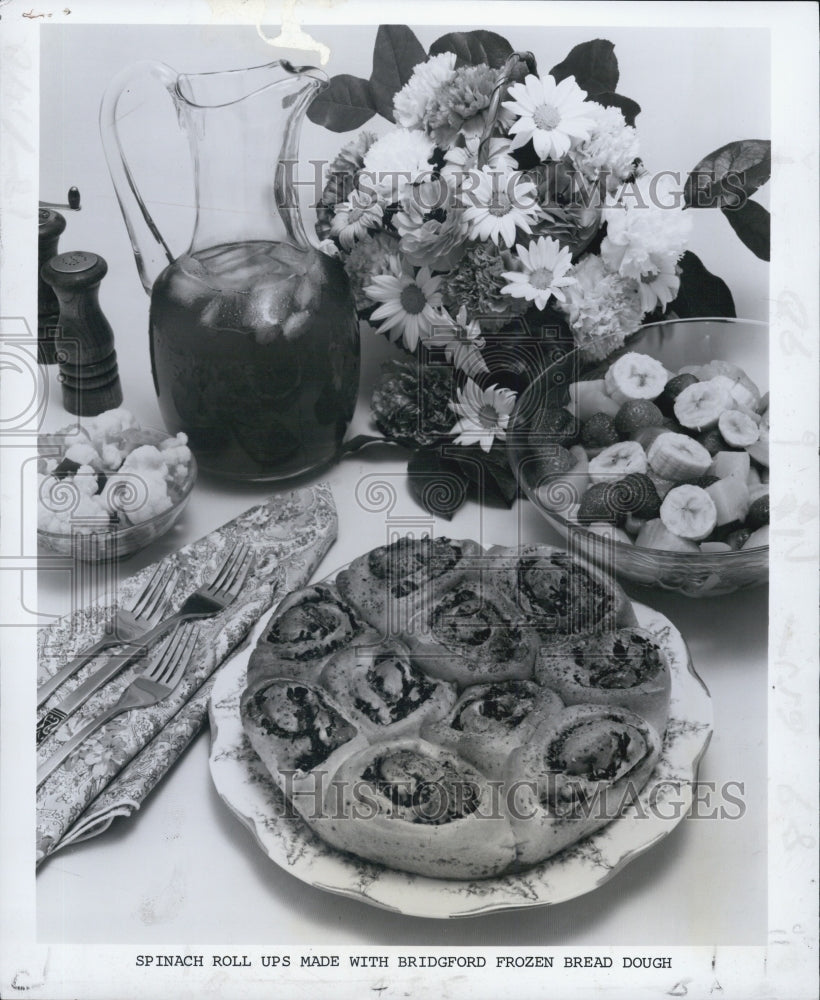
97, 541
674, 343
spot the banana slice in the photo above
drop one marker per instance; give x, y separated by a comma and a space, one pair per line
689, 512
742, 388
737, 428
635, 376
678, 457
699, 406
616, 461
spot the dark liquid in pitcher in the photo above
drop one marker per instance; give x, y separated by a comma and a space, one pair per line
255, 355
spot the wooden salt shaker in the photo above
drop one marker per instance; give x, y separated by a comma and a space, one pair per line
85, 340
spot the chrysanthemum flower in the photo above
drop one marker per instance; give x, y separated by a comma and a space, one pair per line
611, 150
460, 105
411, 305
497, 204
341, 179
375, 254
554, 115
395, 160
354, 217
411, 103
646, 225
431, 226
476, 282
602, 308
484, 413
544, 267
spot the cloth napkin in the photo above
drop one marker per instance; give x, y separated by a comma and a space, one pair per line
115, 769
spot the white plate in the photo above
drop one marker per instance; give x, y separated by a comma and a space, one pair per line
245, 786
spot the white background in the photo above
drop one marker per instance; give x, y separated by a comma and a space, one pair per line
207, 883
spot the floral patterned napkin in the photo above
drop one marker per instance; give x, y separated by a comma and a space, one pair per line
114, 770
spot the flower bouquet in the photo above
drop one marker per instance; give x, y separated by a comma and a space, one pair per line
505, 216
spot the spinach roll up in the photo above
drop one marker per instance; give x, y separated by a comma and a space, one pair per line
490, 720
381, 689
389, 583
626, 667
576, 775
420, 808
472, 634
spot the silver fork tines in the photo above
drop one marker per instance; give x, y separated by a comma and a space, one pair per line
159, 680
147, 611
205, 602
234, 570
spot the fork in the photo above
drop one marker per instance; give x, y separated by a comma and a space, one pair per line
205, 602
154, 685
127, 626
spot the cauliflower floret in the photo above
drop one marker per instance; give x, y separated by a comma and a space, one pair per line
139, 473
85, 480
64, 521
137, 495
84, 454
110, 425
147, 458
112, 455
177, 456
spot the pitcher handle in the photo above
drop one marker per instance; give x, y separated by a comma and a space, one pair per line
151, 252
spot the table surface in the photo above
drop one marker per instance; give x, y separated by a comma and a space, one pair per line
184, 869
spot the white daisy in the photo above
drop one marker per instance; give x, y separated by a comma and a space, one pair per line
497, 203
484, 413
354, 217
462, 159
552, 114
411, 306
659, 284
461, 341
545, 264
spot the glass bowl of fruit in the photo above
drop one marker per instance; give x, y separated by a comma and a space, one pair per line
655, 463
109, 487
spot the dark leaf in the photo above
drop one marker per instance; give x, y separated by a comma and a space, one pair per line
594, 66
346, 103
729, 175
437, 483
701, 293
752, 223
396, 54
489, 472
629, 108
474, 47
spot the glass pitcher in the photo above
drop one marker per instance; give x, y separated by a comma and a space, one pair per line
254, 336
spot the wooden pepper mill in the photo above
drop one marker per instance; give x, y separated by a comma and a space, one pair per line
51, 226
85, 340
